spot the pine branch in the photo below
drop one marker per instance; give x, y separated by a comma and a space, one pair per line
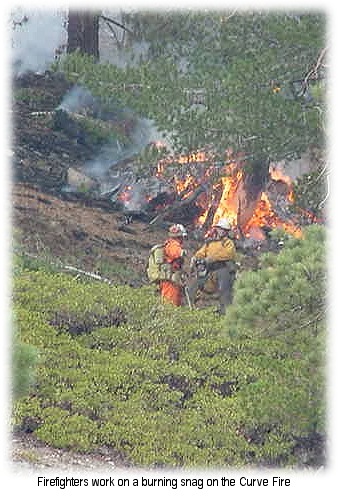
313, 72
116, 23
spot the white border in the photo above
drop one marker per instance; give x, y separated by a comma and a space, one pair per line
312, 485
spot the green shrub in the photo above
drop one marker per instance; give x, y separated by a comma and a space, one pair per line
287, 295
24, 361
174, 387
67, 431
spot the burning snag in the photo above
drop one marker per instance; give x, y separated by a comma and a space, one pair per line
257, 200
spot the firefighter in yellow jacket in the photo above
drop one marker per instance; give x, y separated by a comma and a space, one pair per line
215, 265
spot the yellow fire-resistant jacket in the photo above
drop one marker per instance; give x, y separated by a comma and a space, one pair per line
217, 250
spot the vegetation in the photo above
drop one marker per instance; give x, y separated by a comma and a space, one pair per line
24, 362
175, 387
251, 81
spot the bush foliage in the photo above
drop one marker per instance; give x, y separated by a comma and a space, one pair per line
174, 387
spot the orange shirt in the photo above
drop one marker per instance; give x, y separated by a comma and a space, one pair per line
173, 251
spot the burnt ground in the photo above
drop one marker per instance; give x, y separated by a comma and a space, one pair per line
50, 222
73, 233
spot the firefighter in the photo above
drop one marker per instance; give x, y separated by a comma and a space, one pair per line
171, 290
215, 265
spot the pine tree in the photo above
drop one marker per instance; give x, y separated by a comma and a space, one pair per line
287, 294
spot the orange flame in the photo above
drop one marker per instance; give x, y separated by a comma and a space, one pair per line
228, 206
277, 175
125, 195
264, 215
223, 198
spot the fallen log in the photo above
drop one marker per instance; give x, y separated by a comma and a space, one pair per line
86, 273
184, 209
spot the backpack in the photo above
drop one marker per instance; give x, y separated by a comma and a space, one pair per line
157, 269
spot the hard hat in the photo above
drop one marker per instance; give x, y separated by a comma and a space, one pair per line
225, 224
177, 231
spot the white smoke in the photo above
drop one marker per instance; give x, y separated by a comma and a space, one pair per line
76, 99
35, 37
143, 134
80, 100
116, 45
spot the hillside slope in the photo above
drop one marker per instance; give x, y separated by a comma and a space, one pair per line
48, 222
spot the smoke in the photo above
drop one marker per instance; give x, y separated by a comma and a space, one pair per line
76, 99
112, 154
35, 37
102, 168
116, 45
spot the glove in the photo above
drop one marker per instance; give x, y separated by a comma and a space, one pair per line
201, 268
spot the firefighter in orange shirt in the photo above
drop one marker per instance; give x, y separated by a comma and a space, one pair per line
172, 290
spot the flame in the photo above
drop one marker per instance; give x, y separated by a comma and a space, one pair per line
198, 157
126, 194
185, 184
228, 206
277, 174
264, 216
223, 198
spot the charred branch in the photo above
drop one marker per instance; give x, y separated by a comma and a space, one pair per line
181, 209
256, 179
217, 194
116, 23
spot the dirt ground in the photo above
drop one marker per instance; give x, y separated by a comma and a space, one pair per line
71, 233
28, 454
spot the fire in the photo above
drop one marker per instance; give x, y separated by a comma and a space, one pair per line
126, 194
277, 175
264, 216
199, 157
229, 204
188, 183
223, 198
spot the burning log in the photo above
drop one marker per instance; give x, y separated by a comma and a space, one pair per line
250, 191
184, 209
215, 201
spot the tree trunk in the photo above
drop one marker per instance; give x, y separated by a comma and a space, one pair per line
83, 33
